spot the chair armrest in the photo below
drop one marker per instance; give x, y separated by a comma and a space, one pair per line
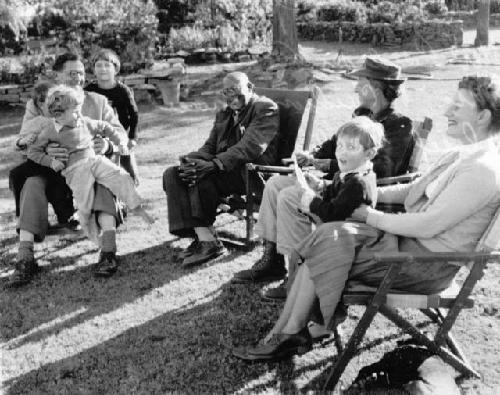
270, 169
390, 208
403, 179
463, 257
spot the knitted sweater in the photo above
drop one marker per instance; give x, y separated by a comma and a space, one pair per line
77, 140
453, 214
342, 197
121, 98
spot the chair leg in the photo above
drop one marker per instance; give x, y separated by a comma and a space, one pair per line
350, 348
438, 317
363, 324
447, 356
249, 209
338, 340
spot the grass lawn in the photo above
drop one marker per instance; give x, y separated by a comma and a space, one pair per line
155, 328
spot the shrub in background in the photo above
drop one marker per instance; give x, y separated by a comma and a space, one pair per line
345, 11
253, 17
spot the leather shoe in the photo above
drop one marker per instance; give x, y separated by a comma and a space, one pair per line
189, 250
280, 346
270, 267
203, 252
277, 294
25, 270
107, 265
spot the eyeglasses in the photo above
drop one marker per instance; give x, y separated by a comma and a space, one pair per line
230, 93
75, 73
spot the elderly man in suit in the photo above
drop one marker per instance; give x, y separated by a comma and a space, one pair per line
245, 131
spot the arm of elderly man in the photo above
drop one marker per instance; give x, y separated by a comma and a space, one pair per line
258, 126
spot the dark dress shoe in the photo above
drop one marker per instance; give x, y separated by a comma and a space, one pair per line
203, 252
279, 347
277, 294
107, 265
270, 267
189, 250
25, 270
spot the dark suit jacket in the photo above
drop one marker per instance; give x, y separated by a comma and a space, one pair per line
252, 138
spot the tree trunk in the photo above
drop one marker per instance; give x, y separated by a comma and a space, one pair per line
483, 23
285, 41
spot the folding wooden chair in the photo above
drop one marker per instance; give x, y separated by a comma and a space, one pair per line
382, 300
420, 132
292, 105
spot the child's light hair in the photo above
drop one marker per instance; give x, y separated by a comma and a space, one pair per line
107, 55
39, 94
370, 133
61, 98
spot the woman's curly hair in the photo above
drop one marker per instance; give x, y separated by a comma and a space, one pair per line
391, 91
486, 93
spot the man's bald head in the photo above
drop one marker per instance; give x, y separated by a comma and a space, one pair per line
237, 78
237, 90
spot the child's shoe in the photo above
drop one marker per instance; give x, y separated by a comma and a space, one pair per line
107, 265
25, 270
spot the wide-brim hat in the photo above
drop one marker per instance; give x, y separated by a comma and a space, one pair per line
377, 68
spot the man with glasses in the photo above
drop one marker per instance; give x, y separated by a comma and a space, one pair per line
245, 131
38, 191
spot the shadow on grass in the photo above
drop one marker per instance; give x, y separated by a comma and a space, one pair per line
145, 331
63, 287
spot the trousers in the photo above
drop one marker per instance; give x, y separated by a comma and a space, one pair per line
339, 251
190, 207
279, 219
81, 178
58, 194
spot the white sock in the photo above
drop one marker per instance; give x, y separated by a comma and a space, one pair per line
106, 221
204, 234
24, 235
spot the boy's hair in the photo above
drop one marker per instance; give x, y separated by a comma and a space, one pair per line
39, 94
108, 55
66, 57
370, 133
61, 98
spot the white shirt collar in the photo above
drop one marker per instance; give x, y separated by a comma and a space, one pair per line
361, 169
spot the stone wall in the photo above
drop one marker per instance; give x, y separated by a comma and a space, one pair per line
413, 36
19, 94
469, 18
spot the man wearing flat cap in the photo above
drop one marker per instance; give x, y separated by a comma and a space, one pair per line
246, 131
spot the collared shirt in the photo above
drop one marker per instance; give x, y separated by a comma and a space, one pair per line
364, 168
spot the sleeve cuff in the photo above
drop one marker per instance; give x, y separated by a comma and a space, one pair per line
374, 218
111, 148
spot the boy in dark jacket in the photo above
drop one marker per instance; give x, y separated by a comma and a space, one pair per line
355, 183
